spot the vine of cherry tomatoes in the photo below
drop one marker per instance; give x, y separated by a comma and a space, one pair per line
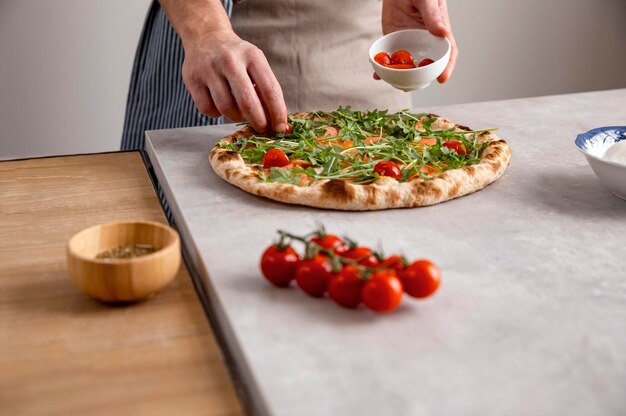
351, 274
400, 59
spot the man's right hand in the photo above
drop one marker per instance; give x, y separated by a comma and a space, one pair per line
227, 75
224, 74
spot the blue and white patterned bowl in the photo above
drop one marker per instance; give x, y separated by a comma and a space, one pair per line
593, 145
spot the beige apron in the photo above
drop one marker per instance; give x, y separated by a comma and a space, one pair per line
318, 50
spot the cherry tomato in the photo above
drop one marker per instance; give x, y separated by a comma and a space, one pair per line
388, 168
328, 241
456, 146
383, 58
401, 57
345, 288
278, 264
401, 66
395, 263
421, 278
382, 292
424, 62
288, 130
362, 255
340, 250
370, 261
275, 158
313, 275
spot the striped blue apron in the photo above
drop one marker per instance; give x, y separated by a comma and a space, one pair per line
157, 98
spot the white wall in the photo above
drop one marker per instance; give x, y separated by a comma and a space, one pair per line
65, 64
523, 48
64, 72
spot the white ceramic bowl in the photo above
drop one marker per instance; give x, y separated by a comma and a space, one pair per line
421, 44
593, 145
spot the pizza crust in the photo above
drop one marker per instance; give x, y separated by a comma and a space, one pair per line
383, 193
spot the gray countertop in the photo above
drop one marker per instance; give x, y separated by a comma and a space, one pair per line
531, 315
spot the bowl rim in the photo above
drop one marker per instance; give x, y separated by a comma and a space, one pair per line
591, 133
371, 55
146, 257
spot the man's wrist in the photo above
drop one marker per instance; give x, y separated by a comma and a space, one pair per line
197, 21
207, 36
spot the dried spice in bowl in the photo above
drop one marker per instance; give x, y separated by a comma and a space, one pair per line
126, 252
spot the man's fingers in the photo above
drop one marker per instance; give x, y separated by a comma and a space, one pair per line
454, 53
204, 102
223, 99
221, 81
247, 99
270, 93
250, 105
433, 17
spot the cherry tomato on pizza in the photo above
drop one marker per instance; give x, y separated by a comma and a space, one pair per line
456, 145
346, 286
421, 278
382, 292
383, 58
278, 264
424, 62
388, 168
275, 158
401, 57
313, 275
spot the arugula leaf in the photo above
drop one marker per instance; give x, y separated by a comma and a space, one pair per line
283, 175
351, 155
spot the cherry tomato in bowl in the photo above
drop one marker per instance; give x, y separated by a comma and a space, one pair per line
401, 66
424, 62
383, 58
401, 57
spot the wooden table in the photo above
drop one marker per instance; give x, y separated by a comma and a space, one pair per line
62, 353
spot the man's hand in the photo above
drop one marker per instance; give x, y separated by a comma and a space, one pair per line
223, 73
421, 14
227, 75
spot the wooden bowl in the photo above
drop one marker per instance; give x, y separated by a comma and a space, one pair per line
123, 279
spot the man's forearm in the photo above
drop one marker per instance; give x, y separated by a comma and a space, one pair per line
196, 19
225, 74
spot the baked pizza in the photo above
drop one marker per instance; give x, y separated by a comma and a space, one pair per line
362, 160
